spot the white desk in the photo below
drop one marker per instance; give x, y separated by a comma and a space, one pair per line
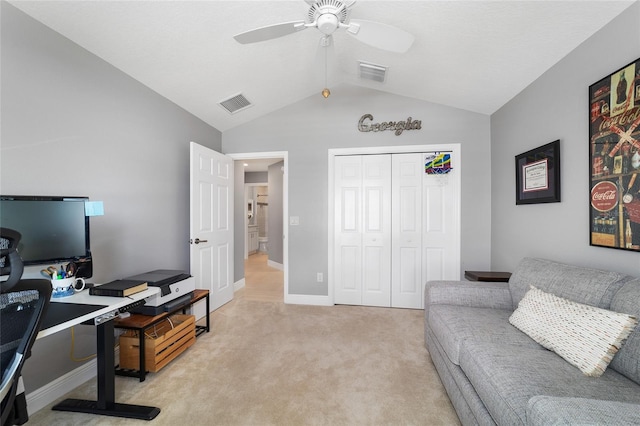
71, 311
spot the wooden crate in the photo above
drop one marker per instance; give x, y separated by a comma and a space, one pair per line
163, 343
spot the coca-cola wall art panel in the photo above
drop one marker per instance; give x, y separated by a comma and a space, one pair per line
614, 159
538, 175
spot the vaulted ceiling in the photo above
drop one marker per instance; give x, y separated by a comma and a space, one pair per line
474, 55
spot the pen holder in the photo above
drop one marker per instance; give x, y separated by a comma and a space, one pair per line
66, 286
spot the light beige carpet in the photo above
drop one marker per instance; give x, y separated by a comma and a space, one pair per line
267, 363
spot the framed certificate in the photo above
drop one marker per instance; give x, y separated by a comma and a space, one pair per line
538, 175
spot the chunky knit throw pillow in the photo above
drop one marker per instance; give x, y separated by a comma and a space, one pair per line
585, 336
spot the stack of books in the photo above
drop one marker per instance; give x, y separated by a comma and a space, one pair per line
119, 288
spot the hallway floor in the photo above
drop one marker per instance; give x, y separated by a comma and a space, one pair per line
262, 282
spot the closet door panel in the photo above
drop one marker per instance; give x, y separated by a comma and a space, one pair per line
434, 264
375, 283
406, 266
348, 231
376, 235
441, 227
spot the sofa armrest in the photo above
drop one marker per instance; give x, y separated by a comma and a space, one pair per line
550, 410
478, 294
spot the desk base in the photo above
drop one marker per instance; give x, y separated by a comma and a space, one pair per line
140, 412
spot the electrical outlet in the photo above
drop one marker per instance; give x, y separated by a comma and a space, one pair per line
320, 277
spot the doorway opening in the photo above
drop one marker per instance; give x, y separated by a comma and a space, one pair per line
263, 233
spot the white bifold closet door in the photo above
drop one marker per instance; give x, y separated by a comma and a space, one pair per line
406, 252
363, 230
396, 227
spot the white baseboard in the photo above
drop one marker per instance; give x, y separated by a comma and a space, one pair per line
40, 398
238, 285
304, 299
276, 265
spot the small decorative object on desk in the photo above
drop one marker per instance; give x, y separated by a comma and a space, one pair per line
63, 281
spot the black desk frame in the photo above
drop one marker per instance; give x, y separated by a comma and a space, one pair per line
102, 315
105, 404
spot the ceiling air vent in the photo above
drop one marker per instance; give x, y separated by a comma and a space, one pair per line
235, 103
373, 72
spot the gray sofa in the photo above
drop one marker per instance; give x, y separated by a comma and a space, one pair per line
495, 374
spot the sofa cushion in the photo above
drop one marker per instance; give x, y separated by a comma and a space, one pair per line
627, 360
507, 376
465, 400
452, 325
585, 336
548, 410
584, 285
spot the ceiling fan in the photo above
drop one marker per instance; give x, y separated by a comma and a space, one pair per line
328, 16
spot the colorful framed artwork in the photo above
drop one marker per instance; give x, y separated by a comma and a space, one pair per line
614, 159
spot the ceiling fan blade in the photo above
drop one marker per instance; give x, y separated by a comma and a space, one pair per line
379, 35
269, 32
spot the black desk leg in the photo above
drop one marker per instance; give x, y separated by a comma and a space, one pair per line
142, 367
106, 404
208, 313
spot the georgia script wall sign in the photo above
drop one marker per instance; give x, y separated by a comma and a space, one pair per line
365, 125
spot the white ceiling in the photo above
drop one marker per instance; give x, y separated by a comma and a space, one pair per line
474, 55
258, 164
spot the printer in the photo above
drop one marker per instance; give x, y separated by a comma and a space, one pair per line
176, 287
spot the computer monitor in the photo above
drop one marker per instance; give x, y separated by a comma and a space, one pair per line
54, 229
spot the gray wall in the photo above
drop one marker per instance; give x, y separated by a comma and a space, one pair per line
310, 127
74, 125
239, 221
274, 245
556, 107
254, 177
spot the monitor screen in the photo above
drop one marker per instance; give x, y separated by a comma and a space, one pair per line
54, 229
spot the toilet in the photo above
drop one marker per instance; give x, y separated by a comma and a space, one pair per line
262, 244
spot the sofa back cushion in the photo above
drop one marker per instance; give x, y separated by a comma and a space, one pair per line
627, 360
583, 285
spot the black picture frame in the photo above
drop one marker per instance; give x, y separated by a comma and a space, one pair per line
538, 175
614, 159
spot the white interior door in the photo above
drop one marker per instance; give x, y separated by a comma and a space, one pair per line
211, 224
406, 287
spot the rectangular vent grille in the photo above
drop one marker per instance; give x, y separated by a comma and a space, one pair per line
235, 103
372, 71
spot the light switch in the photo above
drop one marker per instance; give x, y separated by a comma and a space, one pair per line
294, 220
